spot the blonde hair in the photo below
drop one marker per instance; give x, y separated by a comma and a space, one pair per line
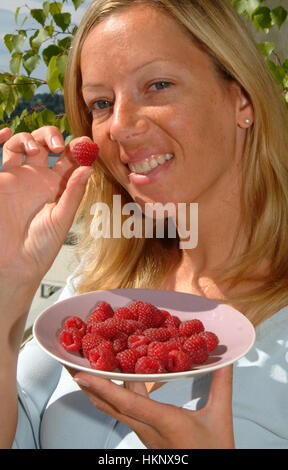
123, 263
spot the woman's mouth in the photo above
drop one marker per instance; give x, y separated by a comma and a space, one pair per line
144, 167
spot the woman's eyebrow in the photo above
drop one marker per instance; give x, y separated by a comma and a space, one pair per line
134, 70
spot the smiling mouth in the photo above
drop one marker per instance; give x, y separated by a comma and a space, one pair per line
149, 164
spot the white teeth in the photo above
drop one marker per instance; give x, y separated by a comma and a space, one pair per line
148, 165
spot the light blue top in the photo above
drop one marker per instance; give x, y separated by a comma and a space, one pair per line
55, 414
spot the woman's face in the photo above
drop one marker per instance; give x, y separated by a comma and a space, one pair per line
156, 97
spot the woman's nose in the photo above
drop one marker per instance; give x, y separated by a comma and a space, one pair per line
127, 121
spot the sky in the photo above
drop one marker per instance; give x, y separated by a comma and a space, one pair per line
8, 25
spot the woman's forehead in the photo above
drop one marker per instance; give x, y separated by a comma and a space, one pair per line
138, 34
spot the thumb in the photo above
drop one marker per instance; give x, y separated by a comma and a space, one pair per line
71, 197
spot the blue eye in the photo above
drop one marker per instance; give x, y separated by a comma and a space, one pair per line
102, 104
161, 85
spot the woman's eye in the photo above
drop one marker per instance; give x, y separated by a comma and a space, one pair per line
101, 104
161, 85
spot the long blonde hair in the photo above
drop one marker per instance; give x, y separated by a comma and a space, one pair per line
123, 263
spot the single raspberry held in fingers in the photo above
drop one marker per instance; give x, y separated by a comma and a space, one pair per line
71, 339
85, 153
211, 339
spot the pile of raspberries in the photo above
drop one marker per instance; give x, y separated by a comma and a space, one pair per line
139, 338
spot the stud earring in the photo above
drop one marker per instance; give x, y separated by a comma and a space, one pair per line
112, 137
247, 121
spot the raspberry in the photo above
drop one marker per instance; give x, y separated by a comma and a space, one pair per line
148, 365
175, 343
127, 360
171, 321
148, 315
90, 341
191, 327
158, 351
70, 339
85, 153
178, 361
120, 342
211, 339
102, 312
103, 358
134, 341
197, 349
157, 334
75, 322
142, 349
126, 313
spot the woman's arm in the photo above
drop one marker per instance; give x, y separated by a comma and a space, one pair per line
37, 208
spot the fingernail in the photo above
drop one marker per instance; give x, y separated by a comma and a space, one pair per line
32, 145
81, 382
57, 142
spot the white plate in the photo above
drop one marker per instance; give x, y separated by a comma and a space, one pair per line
235, 332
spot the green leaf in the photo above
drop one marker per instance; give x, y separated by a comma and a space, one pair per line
8, 42
30, 62
18, 41
38, 15
52, 76
46, 8
278, 16
4, 92
49, 52
262, 18
55, 8
65, 43
266, 48
63, 20
77, 3
239, 5
251, 6
25, 88
39, 38
15, 62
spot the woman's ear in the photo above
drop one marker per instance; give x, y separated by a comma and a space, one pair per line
244, 108
245, 111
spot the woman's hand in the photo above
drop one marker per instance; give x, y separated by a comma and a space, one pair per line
161, 426
37, 204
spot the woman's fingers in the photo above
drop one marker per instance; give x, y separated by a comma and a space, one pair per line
34, 147
5, 134
13, 150
128, 403
69, 201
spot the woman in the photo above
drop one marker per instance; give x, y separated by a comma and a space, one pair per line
147, 80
